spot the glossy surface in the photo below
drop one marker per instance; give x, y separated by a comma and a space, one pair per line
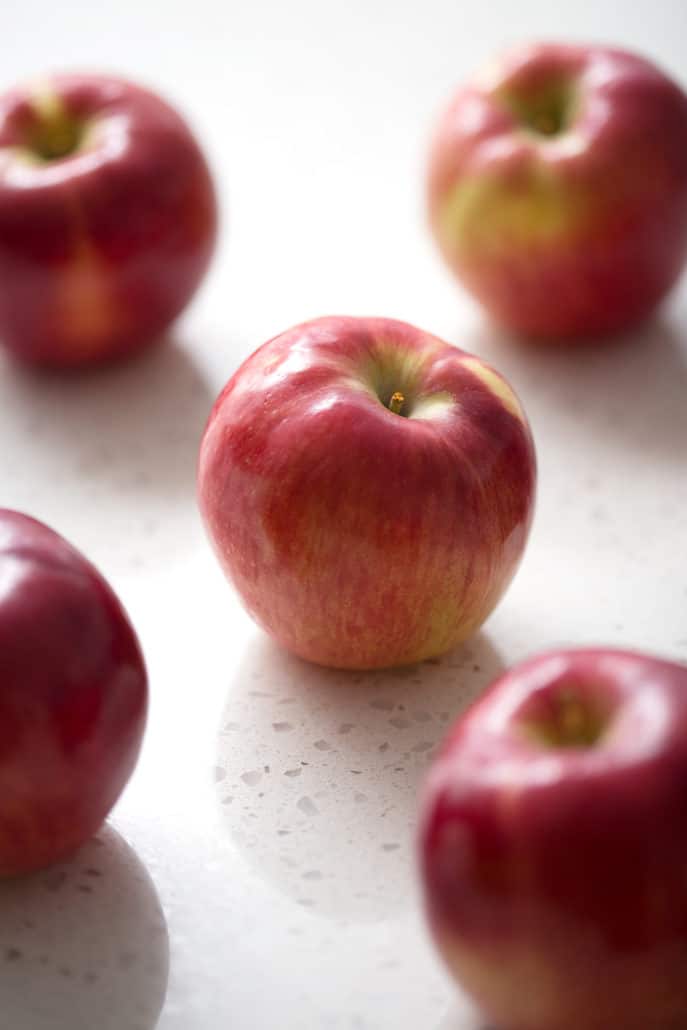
559, 863
102, 246
357, 536
558, 188
73, 697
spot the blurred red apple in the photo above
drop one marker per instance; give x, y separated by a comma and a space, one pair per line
107, 219
73, 697
558, 189
554, 845
368, 489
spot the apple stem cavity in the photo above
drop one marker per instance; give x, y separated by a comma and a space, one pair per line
548, 112
571, 721
396, 402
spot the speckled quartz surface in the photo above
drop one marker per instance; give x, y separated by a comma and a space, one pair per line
258, 872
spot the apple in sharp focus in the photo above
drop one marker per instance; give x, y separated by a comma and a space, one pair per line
73, 696
107, 219
368, 489
558, 188
554, 845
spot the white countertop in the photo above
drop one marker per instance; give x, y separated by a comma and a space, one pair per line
258, 871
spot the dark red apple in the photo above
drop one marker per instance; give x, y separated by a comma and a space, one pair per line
558, 188
107, 219
368, 489
554, 845
73, 696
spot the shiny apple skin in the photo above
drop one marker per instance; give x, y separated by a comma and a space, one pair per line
357, 537
100, 250
571, 236
555, 878
73, 697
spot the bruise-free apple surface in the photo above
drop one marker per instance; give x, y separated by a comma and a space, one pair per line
558, 188
368, 488
73, 696
107, 219
553, 845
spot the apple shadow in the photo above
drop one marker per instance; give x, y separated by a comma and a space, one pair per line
123, 438
629, 390
84, 944
317, 771
462, 1016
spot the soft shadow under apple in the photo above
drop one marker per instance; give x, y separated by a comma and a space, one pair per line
627, 391
461, 1016
318, 771
121, 439
84, 944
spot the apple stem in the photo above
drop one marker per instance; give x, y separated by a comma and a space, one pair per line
55, 132
59, 141
573, 719
545, 124
396, 402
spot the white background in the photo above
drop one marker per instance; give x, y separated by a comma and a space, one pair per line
315, 118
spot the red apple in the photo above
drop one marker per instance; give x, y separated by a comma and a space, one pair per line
558, 189
73, 696
554, 845
368, 489
107, 219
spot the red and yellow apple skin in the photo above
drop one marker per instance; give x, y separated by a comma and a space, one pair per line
73, 697
357, 536
558, 189
107, 219
553, 845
